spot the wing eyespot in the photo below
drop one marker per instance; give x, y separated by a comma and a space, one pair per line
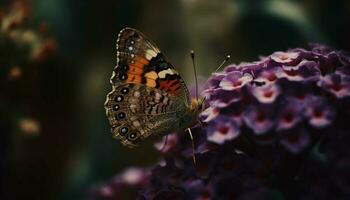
119, 98
123, 77
116, 107
123, 130
124, 67
132, 136
124, 91
121, 115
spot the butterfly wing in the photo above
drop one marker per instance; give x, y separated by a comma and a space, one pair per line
147, 92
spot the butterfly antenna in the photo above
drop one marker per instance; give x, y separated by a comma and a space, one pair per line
223, 62
217, 69
193, 155
195, 72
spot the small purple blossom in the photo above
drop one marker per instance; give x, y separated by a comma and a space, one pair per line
131, 177
167, 142
216, 79
222, 129
229, 68
235, 80
319, 113
338, 85
289, 115
295, 140
259, 119
210, 113
222, 98
284, 57
304, 71
235, 112
267, 76
253, 67
343, 71
266, 93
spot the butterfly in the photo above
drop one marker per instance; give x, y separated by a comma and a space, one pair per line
148, 98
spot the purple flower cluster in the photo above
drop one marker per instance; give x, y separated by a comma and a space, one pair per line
282, 98
272, 129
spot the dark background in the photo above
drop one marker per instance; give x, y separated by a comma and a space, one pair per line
74, 150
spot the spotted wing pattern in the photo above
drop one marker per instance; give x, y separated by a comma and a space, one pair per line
136, 112
148, 95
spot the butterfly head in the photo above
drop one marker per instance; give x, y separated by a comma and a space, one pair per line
197, 106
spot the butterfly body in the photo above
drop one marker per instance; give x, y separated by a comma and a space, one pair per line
148, 97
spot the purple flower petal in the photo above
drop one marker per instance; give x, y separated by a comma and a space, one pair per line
296, 91
303, 53
134, 176
106, 191
231, 68
291, 75
235, 80
338, 85
305, 71
290, 115
222, 129
237, 116
301, 64
268, 75
284, 57
259, 119
344, 57
319, 113
343, 71
167, 142
266, 93
208, 114
203, 191
221, 98
235, 112
254, 67
295, 140
215, 79
328, 63
320, 50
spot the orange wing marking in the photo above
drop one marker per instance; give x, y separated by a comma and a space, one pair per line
170, 86
138, 65
136, 70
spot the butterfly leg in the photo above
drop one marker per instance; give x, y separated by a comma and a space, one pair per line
200, 122
165, 143
193, 153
